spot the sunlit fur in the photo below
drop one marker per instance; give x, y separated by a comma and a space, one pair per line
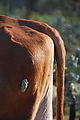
26, 49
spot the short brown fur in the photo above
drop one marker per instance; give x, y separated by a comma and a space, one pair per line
25, 52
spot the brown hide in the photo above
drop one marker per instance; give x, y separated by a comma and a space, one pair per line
25, 52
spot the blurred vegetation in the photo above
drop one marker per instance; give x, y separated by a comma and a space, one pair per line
65, 17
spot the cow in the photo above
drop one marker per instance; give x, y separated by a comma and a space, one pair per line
27, 50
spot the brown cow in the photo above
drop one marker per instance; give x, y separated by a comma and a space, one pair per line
27, 53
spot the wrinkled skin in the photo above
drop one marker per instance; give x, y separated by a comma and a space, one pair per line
25, 52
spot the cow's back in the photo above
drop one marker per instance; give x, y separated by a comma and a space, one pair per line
24, 53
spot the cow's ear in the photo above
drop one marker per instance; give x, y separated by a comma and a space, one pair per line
24, 85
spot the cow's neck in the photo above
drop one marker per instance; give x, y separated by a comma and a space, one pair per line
45, 108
